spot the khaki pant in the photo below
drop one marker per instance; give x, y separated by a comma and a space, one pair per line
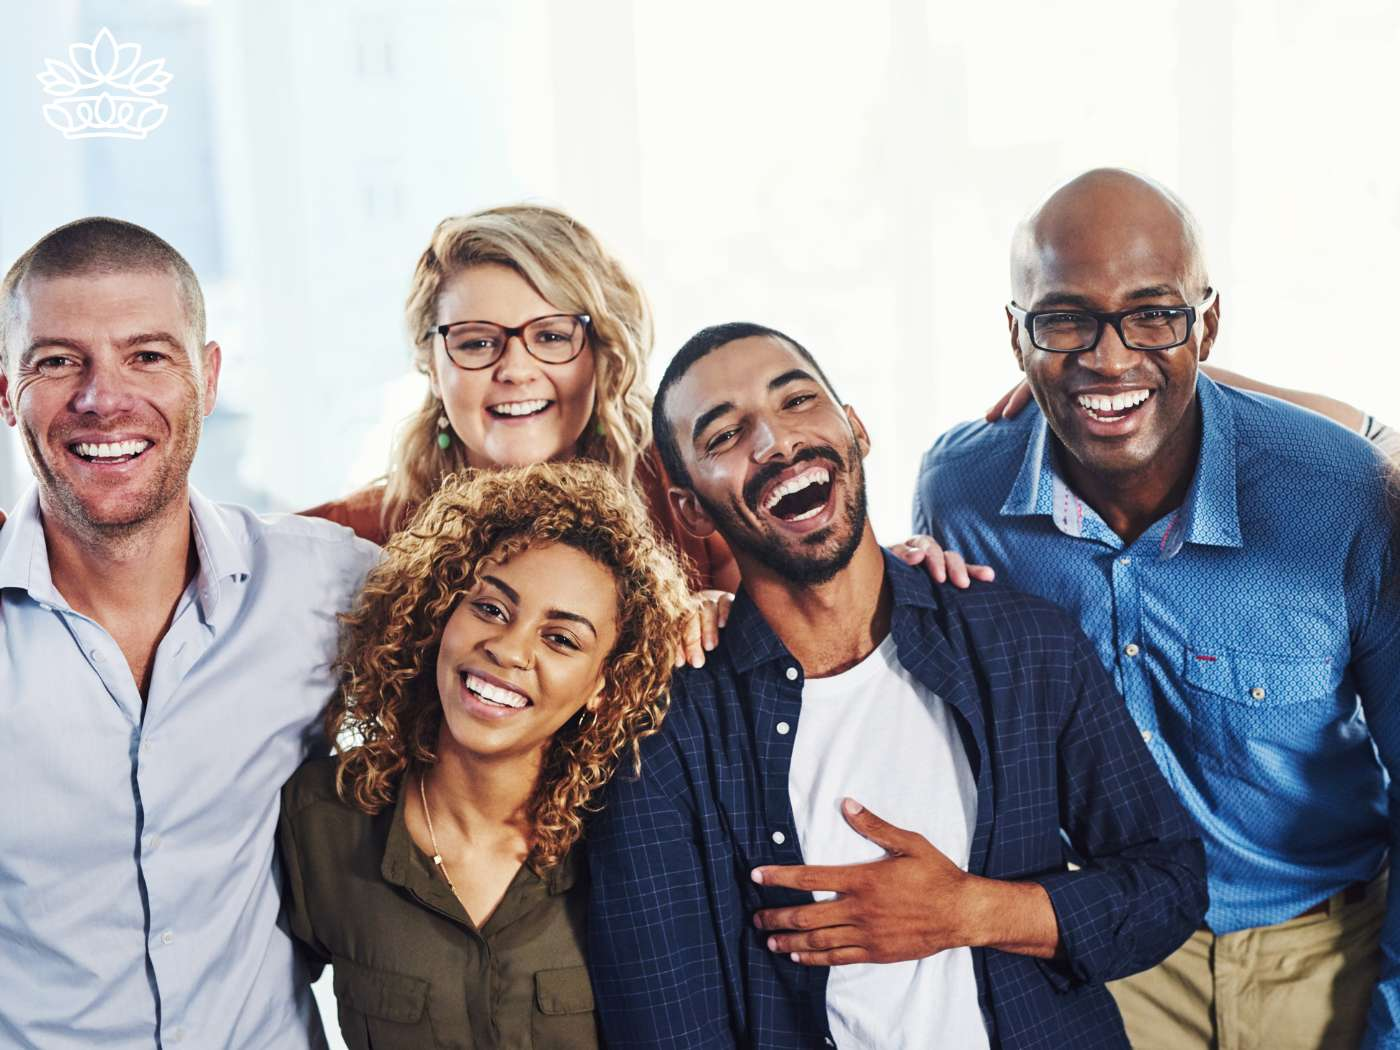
1305, 984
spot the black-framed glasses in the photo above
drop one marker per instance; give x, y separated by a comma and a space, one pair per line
1144, 328
555, 339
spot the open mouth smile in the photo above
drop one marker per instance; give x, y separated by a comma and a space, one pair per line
1106, 408
492, 698
518, 409
109, 452
801, 497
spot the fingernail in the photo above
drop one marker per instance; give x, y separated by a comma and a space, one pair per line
851, 806
757, 875
697, 661
794, 957
772, 944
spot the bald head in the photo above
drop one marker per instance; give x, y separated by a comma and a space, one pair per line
1109, 223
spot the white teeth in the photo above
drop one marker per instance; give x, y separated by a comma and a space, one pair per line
1099, 403
815, 476
520, 408
111, 450
495, 693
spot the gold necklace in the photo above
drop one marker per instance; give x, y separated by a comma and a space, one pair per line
437, 854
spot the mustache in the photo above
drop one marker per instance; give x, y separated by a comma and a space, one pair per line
768, 472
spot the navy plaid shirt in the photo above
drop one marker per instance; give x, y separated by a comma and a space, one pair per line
675, 957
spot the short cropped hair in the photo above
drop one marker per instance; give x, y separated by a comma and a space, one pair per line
99, 245
702, 344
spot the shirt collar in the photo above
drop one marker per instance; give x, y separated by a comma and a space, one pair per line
1210, 514
750, 641
24, 554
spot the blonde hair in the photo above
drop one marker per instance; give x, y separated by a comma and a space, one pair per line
388, 700
562, 260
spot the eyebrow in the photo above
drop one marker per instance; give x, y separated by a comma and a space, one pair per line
552, 614
792, 375
1154, 291
709, 416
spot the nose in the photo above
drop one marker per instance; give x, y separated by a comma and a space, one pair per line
515, 364
102, 389
511, 647
773, 441
1110, 357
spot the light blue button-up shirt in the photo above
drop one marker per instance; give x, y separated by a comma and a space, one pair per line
139, 892
1249, 631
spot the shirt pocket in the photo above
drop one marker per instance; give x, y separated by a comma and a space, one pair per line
1249, 707
563, 1016
379, 1009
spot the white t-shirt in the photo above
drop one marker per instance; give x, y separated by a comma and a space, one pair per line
876, 735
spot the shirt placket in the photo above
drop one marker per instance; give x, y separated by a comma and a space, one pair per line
159, 865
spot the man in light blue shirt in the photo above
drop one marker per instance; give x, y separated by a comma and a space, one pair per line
163, 660
1228, 554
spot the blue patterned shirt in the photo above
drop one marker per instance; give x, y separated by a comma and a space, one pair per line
675, 958
1250, 631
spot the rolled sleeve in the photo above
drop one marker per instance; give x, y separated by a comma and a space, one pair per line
1140, 890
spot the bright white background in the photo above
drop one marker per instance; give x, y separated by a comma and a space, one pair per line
850, 173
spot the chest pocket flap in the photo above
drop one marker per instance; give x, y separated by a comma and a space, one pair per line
564, 991
1257, 679
379, 993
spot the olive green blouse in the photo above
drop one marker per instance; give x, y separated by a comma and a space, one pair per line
411, 970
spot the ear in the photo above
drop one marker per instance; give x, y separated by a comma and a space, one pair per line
7, 410
595, 701
1212, 328
693, 517
858, 428
1015, 330
213, 361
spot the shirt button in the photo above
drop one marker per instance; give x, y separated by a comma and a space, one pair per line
792, 674
779, 838
97, 656
46, 608
1147, 736
177, 1035
167, 937
153, 844
1131, 649
783, 728
1257, 692
1125, 561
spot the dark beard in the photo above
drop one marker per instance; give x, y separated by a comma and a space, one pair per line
796, 566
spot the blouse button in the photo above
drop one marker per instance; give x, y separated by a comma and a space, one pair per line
779, 838
1131, 649
1257, 692
792, 674
783, 728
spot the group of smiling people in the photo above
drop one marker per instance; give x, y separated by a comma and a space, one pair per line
604, 719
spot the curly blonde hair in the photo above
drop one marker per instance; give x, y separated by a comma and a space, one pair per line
565, 263
388, 701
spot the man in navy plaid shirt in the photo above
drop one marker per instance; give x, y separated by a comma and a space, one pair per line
853, 827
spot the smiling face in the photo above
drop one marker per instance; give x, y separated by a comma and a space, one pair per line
520, 410
524, 651
1110, 242
108, 394
775, 462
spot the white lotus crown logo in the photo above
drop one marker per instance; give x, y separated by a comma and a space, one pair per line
105, 91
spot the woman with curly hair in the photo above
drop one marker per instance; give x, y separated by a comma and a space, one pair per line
504, 658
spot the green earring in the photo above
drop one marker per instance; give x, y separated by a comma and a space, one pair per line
444, 433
